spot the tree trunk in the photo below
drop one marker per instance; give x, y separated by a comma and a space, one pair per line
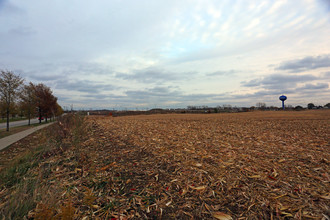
29, 115
7, 119
39, 115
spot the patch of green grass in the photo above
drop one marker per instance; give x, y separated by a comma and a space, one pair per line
22, 201
22, 183
12, 119
14, 130
14, 174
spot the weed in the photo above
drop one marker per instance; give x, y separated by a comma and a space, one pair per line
89, 197
22, 200
22, 178
43, 211
14, 174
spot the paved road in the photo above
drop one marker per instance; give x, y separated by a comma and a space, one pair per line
18, 123
6, 141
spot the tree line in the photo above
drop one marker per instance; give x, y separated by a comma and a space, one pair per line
29, 99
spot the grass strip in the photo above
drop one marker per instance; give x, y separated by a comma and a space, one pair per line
14, 130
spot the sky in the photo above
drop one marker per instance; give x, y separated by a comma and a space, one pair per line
118, 54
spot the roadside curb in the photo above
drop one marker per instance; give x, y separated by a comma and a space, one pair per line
9, 140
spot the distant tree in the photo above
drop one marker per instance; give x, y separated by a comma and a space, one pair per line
298, 108
327, 105
310, 106
59, 110
261, 105
28, 103
225, 106
9, 87
45, 101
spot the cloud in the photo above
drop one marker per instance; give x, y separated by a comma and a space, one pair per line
136, 52
150, 96
298, 86
275, 81
154, 75
8, 7
155, 92
106, 98
85, 86
325, 4
67, 71
42, 78
22, 31
223, 73
326, 75
306, 63
317, 86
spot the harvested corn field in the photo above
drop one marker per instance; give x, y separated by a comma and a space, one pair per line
263, 165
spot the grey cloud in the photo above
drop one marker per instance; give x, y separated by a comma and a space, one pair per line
103, 97
317, 86
156, 92
9, 7
264, 93
22, 31
92, 68
325, 4
223, 73
307, 89
42, 78
326, 75
252, 83
151, 74
276, 84
84, 86
2, 2
278, 81
307, 63
171, 94
54, 71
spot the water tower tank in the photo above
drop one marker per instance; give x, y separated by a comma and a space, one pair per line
283, 98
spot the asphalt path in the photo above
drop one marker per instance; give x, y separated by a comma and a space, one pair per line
19, 123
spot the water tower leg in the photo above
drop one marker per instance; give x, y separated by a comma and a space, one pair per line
283, 105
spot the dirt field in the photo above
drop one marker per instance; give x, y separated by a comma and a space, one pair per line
263, 165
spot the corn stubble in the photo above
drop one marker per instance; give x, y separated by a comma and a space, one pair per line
268, 165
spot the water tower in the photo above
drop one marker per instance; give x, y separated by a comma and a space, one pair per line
283, 98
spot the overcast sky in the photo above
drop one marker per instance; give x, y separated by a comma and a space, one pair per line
146, 54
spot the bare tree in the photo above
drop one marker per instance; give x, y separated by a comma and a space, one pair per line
9, 87
261, 105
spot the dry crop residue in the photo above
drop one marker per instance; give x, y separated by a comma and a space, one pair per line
266, 164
